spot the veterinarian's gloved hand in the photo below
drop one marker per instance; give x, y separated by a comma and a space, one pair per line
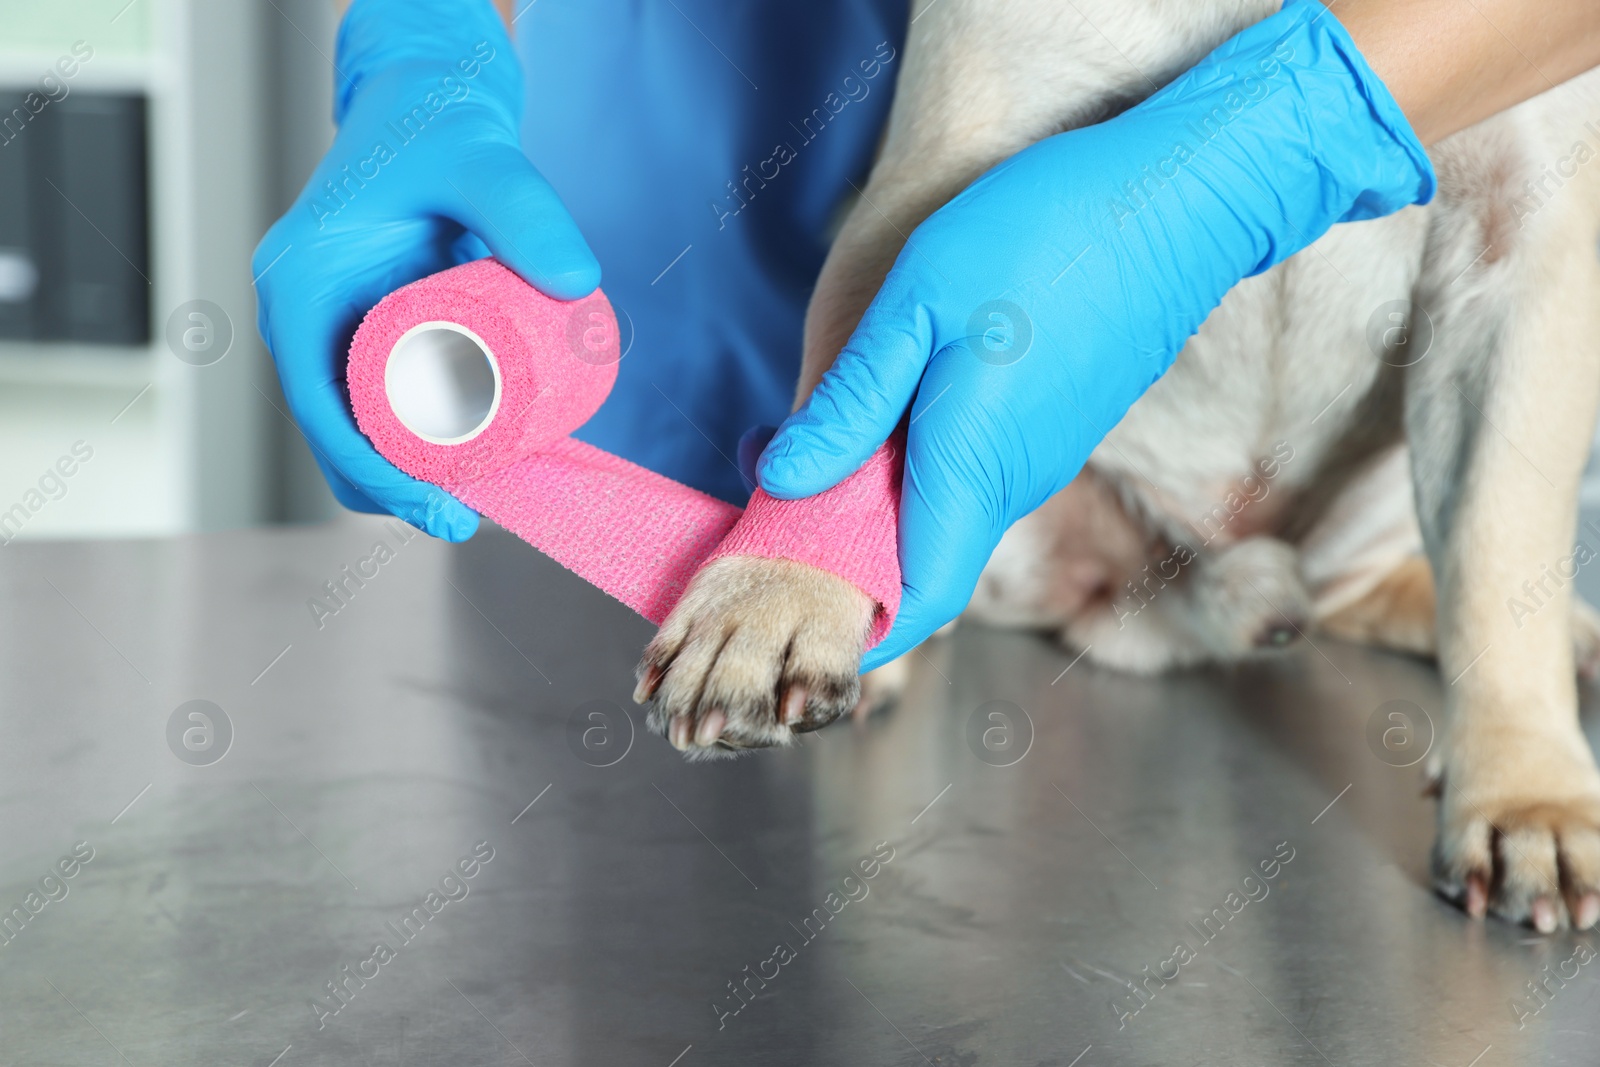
1025, 317
425, 172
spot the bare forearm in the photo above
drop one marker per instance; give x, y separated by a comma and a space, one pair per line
502, 6
1452, 63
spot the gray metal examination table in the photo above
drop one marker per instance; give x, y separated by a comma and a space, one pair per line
424, 825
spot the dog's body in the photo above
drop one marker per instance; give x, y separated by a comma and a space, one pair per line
1290, 472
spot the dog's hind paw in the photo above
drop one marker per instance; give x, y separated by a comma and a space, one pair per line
1519, 831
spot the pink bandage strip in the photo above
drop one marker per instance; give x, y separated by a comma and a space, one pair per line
636, 535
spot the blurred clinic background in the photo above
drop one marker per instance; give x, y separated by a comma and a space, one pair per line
145, 145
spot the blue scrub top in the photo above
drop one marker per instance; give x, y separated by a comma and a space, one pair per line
704, 148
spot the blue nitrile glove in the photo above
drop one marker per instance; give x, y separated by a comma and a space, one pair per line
1026, 316
425, 172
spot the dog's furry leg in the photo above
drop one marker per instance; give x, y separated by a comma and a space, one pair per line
1399, 613
1396, 613
1499, 416
729, 670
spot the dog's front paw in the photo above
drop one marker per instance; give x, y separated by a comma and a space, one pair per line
755, 652
1519, 829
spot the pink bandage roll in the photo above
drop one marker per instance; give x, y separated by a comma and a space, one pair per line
471, 379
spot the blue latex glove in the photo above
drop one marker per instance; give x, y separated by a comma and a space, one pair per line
425, 172
1025, 317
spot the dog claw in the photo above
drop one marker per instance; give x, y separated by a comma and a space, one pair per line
756, 651
711, 727
794, 705
1587, 913
1544, 915
648, 684
1477, 899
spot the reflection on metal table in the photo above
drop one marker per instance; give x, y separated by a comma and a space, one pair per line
415, 819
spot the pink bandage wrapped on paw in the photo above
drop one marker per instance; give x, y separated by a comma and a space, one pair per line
471, 379
851, 530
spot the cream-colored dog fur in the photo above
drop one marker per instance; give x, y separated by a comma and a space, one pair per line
1404, 507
